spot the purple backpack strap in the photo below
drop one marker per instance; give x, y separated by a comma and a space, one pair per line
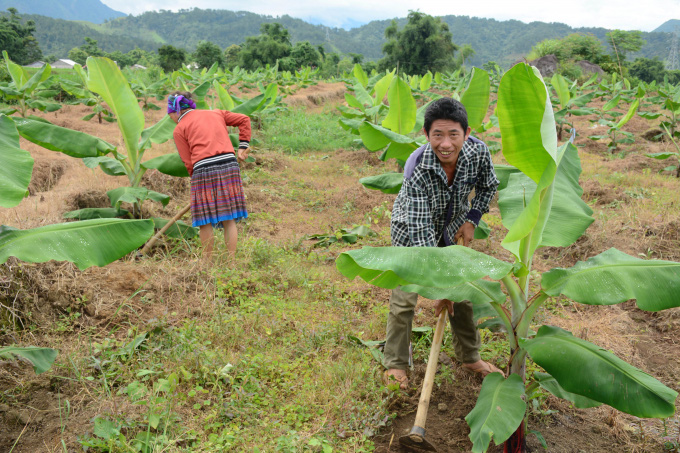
413, 161
475, 140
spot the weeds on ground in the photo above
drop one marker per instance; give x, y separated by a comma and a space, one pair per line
267, 366
298, 132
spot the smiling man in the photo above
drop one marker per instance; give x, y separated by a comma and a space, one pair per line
431, 208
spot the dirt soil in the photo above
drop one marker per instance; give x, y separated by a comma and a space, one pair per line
283, 212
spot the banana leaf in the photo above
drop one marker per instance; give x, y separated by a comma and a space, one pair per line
386, 183
400, 151
135, 195
612, 103
376, 137
629, 114
526, 121
362, 98
435, 267
41, 358
170, 164
360, 75
87, 243
401, 117
529, 137
178, 230
613, 277
105, 79
569, 215
663, 155
561, 87
478, 292
17, 73
482, 231
160, 132
499, 411
109, 165
476, 97
585, 369
550, 384
251, 105
503, 173
225, 101
16, 165
351, 124
95, 213
426, 82
381, 87
56, 138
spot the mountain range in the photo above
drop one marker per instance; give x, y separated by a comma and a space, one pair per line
493, 40
89, 10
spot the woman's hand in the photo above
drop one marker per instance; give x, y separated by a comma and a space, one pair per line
243, 154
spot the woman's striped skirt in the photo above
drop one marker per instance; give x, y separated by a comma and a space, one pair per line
217, 191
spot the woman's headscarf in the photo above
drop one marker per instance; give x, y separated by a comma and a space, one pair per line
178, 103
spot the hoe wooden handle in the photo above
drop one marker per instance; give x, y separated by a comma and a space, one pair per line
170, 223
424, 404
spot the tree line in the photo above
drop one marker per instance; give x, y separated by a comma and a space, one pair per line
415, 45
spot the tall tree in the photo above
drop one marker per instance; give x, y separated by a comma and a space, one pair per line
464, 53
17, 38
302, 54
648, 69
623, 41
269, 47
424, 44
231, 56
89, 49
171, 58
207, 54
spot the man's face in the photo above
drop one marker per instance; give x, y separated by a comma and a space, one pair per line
447, 138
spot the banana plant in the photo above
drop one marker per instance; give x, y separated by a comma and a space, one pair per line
105, 79
616, 135
667, 154
570, 102
668, 97
86, 243
78, 89
267, 102
540, 203
156, 90
364, 99
30, 93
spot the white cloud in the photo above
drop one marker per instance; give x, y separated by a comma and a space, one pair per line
645, 15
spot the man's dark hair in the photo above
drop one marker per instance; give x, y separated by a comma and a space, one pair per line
446, 109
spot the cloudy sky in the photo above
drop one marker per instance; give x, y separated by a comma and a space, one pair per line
639, 15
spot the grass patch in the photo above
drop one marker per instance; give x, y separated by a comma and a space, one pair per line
265, 366
296, 131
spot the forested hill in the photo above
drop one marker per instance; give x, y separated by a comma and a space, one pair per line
57, 36
669, 26
500, 41
90, 10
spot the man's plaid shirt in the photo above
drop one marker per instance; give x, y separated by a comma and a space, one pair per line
420, 209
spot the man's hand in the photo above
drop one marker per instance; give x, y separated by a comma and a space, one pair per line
243, 154
467, 232
440, 304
